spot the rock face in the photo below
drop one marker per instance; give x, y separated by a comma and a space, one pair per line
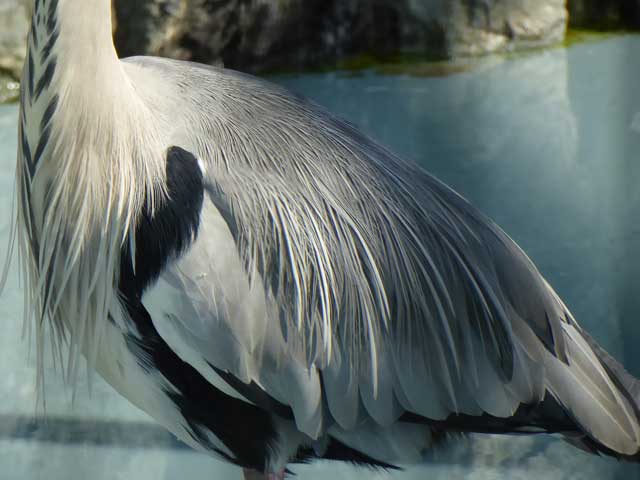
14, 24
264, 34
274, 34
485, 26
604, 15
258, 35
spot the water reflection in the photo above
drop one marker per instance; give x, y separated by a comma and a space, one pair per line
611, 145
546, 144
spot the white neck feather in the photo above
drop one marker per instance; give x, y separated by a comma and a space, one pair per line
101, 159
86, 30
103, 134
86, 54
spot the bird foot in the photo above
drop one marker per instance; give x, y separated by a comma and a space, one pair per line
254, 475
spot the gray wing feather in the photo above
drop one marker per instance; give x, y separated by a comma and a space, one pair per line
391, 292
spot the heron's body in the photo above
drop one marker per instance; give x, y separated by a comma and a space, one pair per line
272, 285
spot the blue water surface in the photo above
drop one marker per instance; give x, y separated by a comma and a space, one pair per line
547, 144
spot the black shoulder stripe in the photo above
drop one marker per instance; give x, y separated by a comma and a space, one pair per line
338, 451
545, 416
161, 236
172, 227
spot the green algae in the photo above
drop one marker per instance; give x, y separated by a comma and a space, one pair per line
402, 64
577, 35
420, 65
411, 64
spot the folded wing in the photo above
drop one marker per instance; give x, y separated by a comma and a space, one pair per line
349, 286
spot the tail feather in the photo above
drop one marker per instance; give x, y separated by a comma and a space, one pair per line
599, 395
629, 388
589, 399
627, 383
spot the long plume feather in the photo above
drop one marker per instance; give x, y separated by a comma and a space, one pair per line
80, 192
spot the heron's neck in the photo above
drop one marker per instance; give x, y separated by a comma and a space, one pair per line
82, 114
74, 38
92, 159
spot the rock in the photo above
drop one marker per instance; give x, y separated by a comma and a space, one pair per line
267, 34
239, 31
9, 89
487, 26
604, 15
258, 35
14, 25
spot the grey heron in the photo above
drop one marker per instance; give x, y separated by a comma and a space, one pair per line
272, 285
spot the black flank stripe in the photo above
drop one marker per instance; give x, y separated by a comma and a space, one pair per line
338, 451
245, 429
547, 415
256, 395
46, 77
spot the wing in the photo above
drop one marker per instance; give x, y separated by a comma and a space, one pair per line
350, 286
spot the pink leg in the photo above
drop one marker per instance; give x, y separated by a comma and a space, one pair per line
254, 475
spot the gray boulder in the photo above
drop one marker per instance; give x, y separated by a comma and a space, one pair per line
258, 35
487, 26
14, 24
264, 34
604, 15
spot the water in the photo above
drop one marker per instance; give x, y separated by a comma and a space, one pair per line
547, 144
